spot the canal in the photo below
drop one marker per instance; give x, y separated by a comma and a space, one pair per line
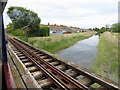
82, 53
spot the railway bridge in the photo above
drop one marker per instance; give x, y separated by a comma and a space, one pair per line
25, 66
46, 70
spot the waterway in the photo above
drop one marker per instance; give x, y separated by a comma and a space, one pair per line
82, 53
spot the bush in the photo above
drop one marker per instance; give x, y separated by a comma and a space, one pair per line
103, 29
96, 29
90, 29
44, 31
18, 32
9, 28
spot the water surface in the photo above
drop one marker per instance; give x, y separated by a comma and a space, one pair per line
82, 53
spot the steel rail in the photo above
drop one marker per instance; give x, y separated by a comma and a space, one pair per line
94, 78
51, 76
67, 78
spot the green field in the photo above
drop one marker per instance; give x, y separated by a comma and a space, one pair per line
56, 43
106, 62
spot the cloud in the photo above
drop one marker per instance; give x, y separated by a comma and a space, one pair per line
81, 13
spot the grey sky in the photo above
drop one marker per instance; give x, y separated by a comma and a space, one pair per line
79, 13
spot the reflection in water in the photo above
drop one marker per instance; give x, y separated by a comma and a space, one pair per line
81, 53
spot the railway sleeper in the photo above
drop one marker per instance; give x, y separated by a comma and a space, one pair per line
39, 53
49, 60
87, 82
54, 63
25, 60
20, 55
18, 52
43, 57
32, 69
14, 49
61, 67
35, 51
45, 83
70, 86
37, 74
72, 73
27, 64
23, 57
31, 47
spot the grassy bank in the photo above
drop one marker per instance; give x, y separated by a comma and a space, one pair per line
56, 43
106, 62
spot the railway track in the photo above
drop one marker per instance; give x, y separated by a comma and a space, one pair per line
52, 73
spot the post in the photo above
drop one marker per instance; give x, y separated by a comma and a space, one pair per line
4, 54
119, 44
0, 44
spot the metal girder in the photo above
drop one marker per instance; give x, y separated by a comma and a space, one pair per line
2, 39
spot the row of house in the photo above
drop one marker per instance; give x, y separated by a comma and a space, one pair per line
56, 29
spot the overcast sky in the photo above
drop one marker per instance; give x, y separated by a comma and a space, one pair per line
79, 13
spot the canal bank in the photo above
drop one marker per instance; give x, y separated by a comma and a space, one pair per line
82, 53
56, 43
98, 54
106, 62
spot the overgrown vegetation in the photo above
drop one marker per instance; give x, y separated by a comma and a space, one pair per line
56, 43
106, 62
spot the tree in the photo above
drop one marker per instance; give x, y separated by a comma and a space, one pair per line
115, 27
90, 29
103, 29
21, 17
96, 29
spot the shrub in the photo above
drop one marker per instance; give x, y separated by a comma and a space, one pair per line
18, 32
44, 31
9, 28
96, 29
103, 29
90, 29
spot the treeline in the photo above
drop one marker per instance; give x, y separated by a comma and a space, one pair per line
25, 23
113, 28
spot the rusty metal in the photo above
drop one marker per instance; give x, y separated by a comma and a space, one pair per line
56, 80
67, 78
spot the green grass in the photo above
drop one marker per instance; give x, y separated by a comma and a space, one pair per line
106, 62
20, 37
56, 43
